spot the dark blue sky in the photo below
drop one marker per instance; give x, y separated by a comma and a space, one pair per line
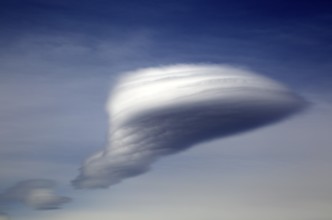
164, 14
259, 34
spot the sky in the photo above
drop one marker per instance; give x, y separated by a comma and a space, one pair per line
61, 60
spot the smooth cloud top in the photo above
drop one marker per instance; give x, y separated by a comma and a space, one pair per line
35, 193
160, 111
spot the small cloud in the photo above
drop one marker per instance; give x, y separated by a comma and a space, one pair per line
35, 193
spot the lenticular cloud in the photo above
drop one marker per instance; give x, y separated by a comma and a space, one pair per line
156, 112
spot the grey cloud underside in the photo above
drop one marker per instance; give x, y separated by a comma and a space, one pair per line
209, 101
35, 193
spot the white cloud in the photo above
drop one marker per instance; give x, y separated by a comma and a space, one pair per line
160, 111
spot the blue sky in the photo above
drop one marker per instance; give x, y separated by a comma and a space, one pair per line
59, 61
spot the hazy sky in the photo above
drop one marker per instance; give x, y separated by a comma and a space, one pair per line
60, 59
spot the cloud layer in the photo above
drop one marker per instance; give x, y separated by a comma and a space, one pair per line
35, 193
156, 112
